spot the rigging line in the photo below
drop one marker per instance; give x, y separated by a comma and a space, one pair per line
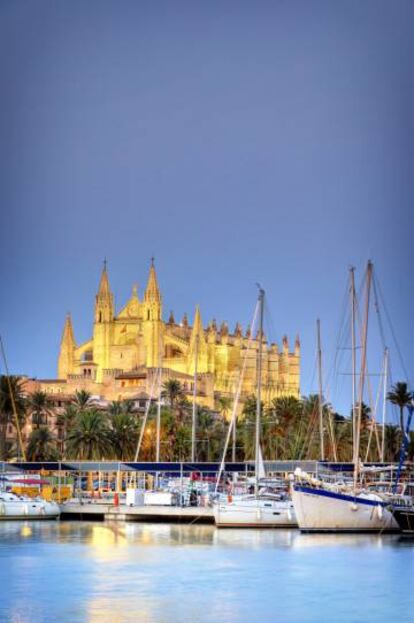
378, 312
269, 324
393, 334
332, 378
233, 418
341, 328
13, 402
147, 409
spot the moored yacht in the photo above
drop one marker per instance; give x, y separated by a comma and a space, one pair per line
258, 509
326, 507
250, 511
404, 516
14, 506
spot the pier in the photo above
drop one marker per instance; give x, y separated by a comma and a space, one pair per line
103, 511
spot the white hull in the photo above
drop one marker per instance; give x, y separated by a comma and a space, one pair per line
318, 510
250, 512
16, 507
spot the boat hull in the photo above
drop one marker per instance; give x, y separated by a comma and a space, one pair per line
319, 510
405, 519
255, 514
29, 509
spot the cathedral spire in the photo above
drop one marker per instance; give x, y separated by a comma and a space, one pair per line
67, 350
104, 289
68, 337
152, 292
104, 302
198, 345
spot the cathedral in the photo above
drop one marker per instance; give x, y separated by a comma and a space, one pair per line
130, 351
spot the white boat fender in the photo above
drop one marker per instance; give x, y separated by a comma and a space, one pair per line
2, 508
26, 509
258, 513
354, 506
380, 511
289, 514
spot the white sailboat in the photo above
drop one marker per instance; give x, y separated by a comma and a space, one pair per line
261, 509
14, 506
325, 507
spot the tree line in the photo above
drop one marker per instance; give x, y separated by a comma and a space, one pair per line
289, 428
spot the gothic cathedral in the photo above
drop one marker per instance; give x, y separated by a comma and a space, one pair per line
128, 348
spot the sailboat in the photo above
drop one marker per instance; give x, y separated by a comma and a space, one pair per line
339, 507
261, 508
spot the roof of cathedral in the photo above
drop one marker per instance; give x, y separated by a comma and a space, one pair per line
131, 309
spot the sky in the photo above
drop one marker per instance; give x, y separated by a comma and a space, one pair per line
236, 142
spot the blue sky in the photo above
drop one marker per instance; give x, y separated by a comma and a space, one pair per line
235, 141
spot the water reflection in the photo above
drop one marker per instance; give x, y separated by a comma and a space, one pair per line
90, 572
110, 534
107, 535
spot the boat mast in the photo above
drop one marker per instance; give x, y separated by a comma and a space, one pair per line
158, 421
384, 403
259, 390
352, 294
157, 448
194, 417
363, 371
322, 445
13, 402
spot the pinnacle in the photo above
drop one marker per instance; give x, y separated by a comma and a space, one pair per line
104, 289
152, 292
68, 335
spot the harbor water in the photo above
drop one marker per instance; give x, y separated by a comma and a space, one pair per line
86, 572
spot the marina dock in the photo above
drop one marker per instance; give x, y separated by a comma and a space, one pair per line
102, 511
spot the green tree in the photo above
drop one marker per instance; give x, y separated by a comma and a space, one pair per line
401, 397
39, 408
82, 400
392, 443
173, 391
205, 421
6, 408
224, 404
42, 445
89, 439
121, 406
287, 412
124, 436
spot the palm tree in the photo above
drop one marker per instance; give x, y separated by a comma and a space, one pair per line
401, 397
205, 420
287, 412
6, 407
124, 436
39, 408
173, 391
121, 406
392, 442
89, 438
83, 400
42, 445
66, 421
224, 404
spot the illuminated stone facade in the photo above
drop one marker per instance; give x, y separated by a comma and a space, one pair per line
126, 349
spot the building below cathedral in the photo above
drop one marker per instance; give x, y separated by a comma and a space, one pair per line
126, 350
